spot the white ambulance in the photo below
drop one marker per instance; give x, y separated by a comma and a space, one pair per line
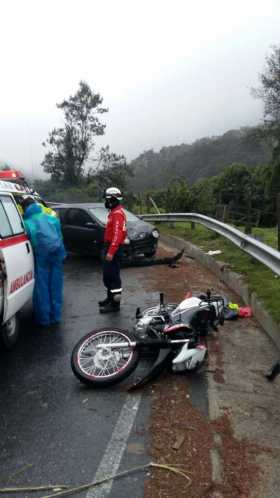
16, 261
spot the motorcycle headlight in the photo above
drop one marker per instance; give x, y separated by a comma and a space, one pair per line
155, 234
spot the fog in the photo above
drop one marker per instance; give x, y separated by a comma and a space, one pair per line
170, 72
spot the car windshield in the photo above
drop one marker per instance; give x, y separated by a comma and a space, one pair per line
101, 213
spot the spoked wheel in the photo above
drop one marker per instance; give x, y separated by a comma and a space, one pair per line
104, 357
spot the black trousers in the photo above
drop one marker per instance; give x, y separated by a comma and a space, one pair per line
111, 274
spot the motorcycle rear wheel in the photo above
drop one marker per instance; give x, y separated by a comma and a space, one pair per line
94, 362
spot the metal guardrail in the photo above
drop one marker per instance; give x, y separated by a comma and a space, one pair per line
260, 251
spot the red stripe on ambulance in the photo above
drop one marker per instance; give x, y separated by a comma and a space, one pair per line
11, 241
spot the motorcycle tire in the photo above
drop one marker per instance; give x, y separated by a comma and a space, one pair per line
96, 364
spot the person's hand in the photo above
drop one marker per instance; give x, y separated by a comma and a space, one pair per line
108, 257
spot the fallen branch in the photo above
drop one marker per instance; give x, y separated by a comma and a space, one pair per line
67, 491
84, 487
20, 471
32, 489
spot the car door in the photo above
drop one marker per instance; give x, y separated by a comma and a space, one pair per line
81, 232
16, 258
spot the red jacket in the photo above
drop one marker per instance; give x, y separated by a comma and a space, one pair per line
115, 231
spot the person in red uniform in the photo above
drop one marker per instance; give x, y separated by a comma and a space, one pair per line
114, 237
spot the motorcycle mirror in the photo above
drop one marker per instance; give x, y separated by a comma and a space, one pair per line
161, 298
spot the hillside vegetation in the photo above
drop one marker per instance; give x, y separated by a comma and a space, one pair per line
205, 157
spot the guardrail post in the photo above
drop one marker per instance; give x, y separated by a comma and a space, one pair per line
248, 225
219, 211
258, 217
225, 213
278, 219
140, 204
147, 203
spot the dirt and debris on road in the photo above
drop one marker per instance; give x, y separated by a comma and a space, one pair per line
233, 451
174, 418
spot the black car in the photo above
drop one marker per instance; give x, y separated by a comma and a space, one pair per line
83, 228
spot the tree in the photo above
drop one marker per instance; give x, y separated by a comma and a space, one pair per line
203, 199
177, 196
270, 91
69, 147
234, 184
262, 198
270, 94
111, 170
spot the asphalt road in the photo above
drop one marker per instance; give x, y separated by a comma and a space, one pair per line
53, 429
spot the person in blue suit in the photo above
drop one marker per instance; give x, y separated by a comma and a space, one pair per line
44, 233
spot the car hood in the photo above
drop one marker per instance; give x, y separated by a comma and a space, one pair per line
135, 230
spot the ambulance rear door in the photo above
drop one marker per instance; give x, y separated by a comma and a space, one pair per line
16, 256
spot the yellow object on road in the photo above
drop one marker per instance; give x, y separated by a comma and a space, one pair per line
233, 306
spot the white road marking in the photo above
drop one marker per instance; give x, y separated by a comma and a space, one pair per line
112, 457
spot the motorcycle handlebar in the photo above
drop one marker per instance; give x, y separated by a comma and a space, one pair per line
213, 299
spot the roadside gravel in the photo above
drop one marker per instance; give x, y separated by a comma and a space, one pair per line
233, 450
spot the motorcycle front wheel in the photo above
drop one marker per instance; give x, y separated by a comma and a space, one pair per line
104, 357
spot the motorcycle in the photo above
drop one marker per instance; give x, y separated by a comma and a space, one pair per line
175, 333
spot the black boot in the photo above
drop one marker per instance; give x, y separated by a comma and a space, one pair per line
111, 307
106, 300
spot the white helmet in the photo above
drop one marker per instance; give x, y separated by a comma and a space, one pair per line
113, 192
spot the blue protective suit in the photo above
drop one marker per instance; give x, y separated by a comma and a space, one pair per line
44, 232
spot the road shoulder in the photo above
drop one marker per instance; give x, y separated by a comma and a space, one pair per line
233, 451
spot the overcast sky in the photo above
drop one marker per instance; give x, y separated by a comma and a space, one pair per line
169, 71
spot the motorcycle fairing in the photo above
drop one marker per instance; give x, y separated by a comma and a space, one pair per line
169, 329
157, 368
188, 359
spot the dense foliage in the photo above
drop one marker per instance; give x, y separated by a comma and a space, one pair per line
236, 191
192, 162
239, 191
235, 176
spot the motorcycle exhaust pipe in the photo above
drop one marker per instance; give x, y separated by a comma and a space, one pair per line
144, 343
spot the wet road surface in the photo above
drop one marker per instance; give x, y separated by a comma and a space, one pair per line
55, 430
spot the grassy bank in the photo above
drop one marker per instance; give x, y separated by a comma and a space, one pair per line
259, 278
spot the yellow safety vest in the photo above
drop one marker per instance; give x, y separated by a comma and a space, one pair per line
20, 209
48, 210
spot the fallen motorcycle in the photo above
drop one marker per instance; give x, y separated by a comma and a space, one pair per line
176, 333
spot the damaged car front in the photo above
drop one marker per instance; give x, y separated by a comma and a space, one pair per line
83, 228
